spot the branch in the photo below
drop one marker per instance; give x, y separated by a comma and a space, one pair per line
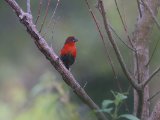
139, 8
143, 84
115, 47
28, 7
154, 50
120, 38
153, 96
48, 52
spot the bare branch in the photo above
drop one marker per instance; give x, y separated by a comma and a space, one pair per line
115, 47
123, 23
154, 95
154, 50
120, 15
120, 38
28, 7
53, 58
150, 78
139, 8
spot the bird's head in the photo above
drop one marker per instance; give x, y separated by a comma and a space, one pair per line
71, 39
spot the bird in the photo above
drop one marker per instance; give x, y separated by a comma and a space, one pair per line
69, 51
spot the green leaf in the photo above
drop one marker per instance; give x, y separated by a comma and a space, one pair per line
129, 117
119, 98
106, 103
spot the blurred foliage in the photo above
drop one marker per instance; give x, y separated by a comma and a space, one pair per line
48, 99
31, 89
113, 107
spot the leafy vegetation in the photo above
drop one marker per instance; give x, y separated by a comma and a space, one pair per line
112, 107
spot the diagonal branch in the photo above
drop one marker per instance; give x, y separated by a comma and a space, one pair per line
139, 8
153, 96
154, 50
120, 38
150, 78
48, 52
115, 47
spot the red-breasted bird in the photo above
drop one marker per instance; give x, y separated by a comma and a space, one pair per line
68, 52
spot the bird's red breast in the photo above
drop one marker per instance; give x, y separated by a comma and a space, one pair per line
69, 48
68, 52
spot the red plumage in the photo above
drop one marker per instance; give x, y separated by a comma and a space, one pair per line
68, 52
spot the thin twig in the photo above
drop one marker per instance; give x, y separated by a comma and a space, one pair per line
53, 26
123, 23
139, 8
143, 84
49, 53
115, 47
158, 92
46, 13
120, 38
54, 12
39, 10
120, 15
28, 7
154, 50
52, 17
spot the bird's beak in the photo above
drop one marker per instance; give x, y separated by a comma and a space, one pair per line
75, 39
